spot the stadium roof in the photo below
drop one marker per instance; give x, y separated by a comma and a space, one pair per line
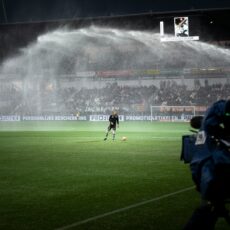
12, 11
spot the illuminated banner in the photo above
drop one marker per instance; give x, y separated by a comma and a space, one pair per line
103, 117
119, 73
207, 71
181, 27
177, 39
201, 108
158, 118
10, 118
151, 72
137, 118
126, 73
54, 118
86, 74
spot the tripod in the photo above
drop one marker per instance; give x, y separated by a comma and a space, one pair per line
220, 211
207, 215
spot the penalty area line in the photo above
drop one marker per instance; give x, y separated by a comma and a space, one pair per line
123, 209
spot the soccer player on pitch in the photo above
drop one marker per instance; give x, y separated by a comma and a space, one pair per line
113, 121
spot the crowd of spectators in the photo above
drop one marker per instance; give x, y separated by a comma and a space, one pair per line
134, 100
126, 99
10, 97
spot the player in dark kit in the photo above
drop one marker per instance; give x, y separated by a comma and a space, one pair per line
113, 122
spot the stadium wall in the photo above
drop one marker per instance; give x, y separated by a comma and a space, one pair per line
102, 117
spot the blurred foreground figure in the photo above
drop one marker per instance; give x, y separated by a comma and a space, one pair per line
113, 122
209, 158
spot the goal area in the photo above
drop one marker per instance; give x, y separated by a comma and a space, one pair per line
172, 113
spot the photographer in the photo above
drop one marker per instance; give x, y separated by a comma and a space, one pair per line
210, 165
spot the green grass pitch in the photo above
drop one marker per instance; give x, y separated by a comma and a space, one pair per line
56, 175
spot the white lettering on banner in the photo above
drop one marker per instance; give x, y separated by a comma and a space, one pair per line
103, 117
65, 118
165, 118
70, 118
82, 118
54, 118
86, 74
99, 117
157, 118
10, 118
37, 118
138, 118
94, 118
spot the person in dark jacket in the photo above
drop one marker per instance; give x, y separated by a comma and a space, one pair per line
113, 123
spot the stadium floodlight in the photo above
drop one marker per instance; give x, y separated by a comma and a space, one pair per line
172, 113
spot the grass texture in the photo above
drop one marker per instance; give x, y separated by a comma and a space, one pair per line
62, 175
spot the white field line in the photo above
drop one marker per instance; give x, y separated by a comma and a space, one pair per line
123, 209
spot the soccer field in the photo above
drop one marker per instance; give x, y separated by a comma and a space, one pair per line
62, 175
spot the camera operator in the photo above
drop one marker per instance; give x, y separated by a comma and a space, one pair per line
210, 165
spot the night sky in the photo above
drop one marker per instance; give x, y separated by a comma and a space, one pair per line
13, 11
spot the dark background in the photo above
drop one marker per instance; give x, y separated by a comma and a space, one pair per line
21, 21
14, 11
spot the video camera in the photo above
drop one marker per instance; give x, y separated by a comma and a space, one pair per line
210, 166
212, 179
189, 147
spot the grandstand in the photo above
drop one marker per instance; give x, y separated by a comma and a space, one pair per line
91, 70
62, 74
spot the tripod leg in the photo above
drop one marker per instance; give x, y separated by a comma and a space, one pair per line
224, 212
227, 218
220, 210
202, 218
